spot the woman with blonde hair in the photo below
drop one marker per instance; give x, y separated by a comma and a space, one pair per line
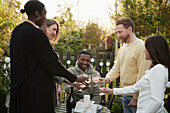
51, 28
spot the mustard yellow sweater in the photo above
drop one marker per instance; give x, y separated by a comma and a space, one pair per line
130, 64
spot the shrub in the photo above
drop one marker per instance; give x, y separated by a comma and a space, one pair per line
117, 108
4, 82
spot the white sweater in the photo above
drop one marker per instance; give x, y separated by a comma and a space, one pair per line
151, 88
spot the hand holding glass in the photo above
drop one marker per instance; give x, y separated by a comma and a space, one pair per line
78, 85
102, 86
107, 91
96, 80
87, 81
81, 87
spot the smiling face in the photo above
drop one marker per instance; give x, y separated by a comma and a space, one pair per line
51, 31
84, 61
123, 33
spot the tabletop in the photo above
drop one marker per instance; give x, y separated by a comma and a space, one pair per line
62, 109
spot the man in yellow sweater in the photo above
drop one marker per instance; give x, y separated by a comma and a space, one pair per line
130, 63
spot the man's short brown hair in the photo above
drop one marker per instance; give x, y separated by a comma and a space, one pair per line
127, 22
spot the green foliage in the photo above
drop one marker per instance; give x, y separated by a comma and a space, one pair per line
9, 18
62, 93
75, 38
150, 16
4, 84
117, 108
70, 35
93, 36
5, 77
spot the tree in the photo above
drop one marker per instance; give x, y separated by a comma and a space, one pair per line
9, 18
70, 35
93, 36
150, 16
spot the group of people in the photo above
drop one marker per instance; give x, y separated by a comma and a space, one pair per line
34, 65
143, 67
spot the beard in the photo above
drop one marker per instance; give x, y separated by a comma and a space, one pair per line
124, 39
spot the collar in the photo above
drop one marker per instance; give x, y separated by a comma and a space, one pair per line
29, 21
135, 40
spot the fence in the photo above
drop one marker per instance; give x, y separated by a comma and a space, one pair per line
103, 62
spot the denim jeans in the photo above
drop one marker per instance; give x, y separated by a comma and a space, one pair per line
126, 108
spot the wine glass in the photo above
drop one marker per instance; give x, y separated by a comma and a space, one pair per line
89, 78
87, 82
82, 86
102, 86
96, 80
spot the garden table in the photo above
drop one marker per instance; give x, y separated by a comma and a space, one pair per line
62, 109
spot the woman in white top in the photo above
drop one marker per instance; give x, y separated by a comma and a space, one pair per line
151, 86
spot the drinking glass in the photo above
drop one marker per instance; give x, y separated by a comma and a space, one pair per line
96, 80
87, 82
83, 86
102, 86
89, 78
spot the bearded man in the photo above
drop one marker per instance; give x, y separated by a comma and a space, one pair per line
130, 63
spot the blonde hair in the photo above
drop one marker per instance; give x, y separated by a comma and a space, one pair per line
48, 23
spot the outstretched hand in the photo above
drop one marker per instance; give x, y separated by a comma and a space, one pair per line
105, 80
81, 79
78, 85
107, 91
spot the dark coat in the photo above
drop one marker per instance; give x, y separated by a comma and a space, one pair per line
33, 66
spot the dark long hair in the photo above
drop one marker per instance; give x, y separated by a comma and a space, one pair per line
159, 51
